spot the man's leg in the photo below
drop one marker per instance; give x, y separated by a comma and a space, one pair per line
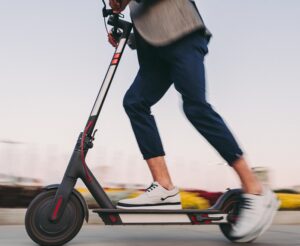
146, 90
150, 84
187, 72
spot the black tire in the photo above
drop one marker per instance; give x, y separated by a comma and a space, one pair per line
44, 232
231, 207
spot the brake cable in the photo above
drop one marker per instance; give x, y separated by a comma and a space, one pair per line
104, 13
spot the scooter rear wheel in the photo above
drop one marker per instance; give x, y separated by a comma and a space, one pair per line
45, 232
231, 207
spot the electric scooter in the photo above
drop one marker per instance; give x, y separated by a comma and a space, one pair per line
55, 216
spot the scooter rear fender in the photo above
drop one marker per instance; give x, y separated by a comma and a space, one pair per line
219, 205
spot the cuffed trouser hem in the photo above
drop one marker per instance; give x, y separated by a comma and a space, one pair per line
149, 156
233, 158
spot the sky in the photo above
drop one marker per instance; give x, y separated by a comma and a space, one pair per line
53, 58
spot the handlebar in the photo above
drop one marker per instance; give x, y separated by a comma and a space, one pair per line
115, 22
114, 19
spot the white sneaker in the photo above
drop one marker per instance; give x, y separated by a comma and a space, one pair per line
269, 216
256, 214
268, 219
155, 197
264, 226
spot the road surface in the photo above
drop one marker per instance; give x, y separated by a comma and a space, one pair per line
92, 235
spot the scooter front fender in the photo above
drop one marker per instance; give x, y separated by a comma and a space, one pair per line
78, 196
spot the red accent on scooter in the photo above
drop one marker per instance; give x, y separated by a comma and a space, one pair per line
202, 220
114, 61
206, 221
194, 220
113, 218
57, 206
117, 56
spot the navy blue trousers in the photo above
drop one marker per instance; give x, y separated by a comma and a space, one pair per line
180, 63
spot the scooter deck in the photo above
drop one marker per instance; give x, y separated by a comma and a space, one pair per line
157, 211
161, 217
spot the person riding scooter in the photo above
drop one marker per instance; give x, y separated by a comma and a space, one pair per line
171, 40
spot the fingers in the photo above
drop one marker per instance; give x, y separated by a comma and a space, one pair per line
111, 40
118, 6
115, 5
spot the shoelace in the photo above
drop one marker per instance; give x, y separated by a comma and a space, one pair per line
151, 187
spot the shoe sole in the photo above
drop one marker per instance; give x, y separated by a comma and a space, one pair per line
268, 219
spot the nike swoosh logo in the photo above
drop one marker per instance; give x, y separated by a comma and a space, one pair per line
164, 198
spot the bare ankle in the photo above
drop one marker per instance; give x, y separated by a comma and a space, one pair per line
250, 183
167, 186
255, 189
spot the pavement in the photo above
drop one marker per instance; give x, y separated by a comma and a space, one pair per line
16, 217
100, 235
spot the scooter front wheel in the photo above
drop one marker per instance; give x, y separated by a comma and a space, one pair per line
45, 232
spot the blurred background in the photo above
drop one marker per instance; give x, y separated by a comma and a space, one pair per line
54, 55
